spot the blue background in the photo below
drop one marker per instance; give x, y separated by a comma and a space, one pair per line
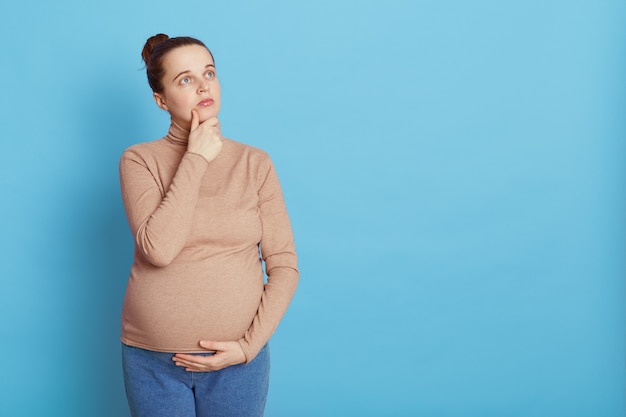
454, 171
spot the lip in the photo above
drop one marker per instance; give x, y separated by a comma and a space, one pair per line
207, 102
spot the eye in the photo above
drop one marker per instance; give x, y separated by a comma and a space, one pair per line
210, 74
185, 81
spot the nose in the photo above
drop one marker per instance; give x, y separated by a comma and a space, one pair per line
203, 87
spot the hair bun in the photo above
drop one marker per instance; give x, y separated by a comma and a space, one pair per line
151, 43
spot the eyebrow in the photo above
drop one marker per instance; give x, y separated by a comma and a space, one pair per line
186, 71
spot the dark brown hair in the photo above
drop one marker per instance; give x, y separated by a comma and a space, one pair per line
154, 51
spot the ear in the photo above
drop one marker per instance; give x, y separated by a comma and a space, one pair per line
160, 101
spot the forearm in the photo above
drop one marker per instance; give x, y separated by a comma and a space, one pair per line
281, 264
161, 219
277, 295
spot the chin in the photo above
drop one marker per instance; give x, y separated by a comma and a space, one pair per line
206, 114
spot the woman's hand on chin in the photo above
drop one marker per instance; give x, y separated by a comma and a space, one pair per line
205, 138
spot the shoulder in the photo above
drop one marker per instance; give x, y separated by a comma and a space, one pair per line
242, 148
255, 161
144, 150
251, 154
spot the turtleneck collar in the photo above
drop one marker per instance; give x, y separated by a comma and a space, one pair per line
177, 134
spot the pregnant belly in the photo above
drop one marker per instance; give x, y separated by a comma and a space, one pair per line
173, 313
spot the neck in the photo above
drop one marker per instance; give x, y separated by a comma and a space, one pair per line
177, 133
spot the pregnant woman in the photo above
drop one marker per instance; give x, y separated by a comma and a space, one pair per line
207, 215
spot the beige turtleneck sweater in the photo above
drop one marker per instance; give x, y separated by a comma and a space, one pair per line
201, 232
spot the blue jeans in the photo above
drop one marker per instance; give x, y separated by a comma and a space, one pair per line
156, 387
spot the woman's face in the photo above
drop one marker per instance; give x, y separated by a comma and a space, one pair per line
189, 82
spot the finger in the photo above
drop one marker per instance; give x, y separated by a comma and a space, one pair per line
190, 359
193, 366
194, 359
187, 364
195, 119
211, 121
203, 364
181, 357
210, 345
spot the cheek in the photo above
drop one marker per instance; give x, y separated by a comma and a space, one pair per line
181, 104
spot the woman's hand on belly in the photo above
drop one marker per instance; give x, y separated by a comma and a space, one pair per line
226, 354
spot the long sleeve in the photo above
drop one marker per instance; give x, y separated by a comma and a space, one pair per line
198, 228
160, 215
278, 253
